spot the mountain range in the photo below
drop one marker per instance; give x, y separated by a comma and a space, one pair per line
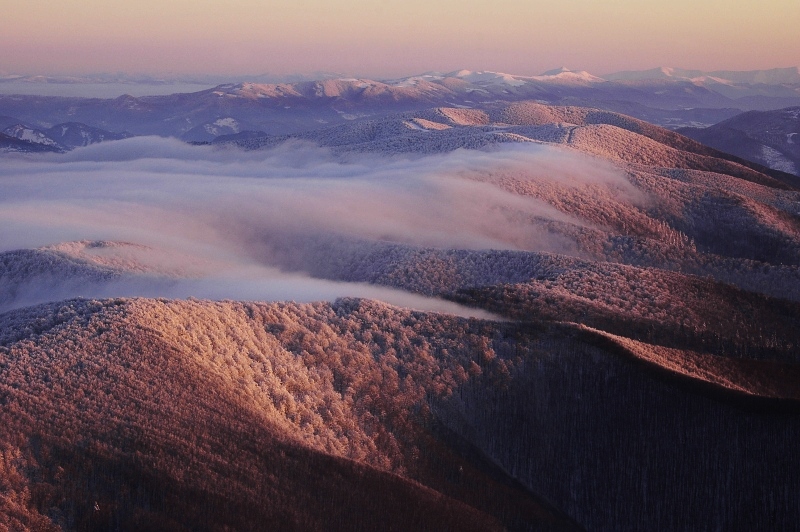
448, 306
674, 98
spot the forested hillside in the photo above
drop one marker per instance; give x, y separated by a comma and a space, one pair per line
150, 402
518, 317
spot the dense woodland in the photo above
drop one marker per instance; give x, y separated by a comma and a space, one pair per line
484, 413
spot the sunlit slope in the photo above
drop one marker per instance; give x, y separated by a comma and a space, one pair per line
200, 414
168, 413
614, 135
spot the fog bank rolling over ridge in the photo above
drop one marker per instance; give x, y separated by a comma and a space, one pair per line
253, 283
165, 191
206, 222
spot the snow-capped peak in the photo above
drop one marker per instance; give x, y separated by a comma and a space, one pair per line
488, 77
555, 71
565, 75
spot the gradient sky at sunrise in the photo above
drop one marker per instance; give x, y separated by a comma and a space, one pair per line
386, 38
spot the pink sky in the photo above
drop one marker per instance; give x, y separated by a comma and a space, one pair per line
386, 38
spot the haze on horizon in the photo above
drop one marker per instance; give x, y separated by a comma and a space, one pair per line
392, 38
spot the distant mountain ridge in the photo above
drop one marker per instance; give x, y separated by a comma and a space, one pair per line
668, 97
765, 76
769, 77
595, 131
770, 138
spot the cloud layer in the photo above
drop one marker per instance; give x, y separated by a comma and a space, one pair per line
212, 213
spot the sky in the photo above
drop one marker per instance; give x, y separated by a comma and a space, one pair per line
393, 38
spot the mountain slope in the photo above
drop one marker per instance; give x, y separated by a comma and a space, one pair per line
147, 451
12, 144
74, 134
770, 138
604, 133
148, 411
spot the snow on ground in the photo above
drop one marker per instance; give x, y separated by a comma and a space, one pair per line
350, 116
490, 77
777, 160
228, 122
569, 77
30, 135
710, 79
414, 80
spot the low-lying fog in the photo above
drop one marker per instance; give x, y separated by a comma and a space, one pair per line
206, 215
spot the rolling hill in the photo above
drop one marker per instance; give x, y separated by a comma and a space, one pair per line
618, 348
